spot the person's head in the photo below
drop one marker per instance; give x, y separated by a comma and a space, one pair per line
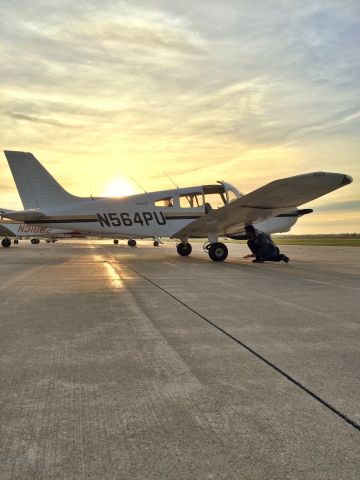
250, 231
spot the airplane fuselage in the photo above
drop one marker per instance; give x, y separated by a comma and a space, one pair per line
138, 216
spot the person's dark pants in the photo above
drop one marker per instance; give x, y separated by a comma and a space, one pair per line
271, 254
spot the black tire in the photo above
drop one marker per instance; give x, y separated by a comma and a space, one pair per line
116, 242
34, 241
184, 249
132, 242
156, 243
16, 241
6, 242
218, 252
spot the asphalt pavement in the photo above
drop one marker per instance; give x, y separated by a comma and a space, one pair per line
136, 363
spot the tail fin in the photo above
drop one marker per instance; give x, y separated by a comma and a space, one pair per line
36, 187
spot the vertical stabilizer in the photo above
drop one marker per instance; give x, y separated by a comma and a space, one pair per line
36, 187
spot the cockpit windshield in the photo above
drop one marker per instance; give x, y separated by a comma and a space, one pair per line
219, 195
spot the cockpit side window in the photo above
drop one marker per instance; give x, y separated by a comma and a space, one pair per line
216, 200
191, 200
165, 202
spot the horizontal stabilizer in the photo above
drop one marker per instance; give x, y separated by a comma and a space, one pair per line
5, 210
25, 215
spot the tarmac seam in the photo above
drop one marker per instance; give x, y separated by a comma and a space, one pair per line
253, 352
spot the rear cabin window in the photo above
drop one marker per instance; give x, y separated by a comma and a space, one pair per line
191, 200
165, 202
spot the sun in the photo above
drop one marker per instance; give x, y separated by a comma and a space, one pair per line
118, 187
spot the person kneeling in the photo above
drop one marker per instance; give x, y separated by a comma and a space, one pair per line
262, 246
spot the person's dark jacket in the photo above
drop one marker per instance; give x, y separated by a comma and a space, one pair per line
264, 244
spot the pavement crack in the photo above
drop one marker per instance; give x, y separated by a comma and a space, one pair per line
290, 378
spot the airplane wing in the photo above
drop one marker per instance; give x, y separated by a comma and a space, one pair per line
268, 201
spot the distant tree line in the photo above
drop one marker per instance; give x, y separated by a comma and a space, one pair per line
324, 235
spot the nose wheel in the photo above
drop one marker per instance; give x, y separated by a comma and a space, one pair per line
132, 242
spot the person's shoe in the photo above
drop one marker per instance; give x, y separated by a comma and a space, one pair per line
284, 258
258, 261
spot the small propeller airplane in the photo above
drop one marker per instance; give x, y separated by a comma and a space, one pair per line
21, 231
205, 211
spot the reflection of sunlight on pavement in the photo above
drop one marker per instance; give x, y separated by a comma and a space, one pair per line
114, 277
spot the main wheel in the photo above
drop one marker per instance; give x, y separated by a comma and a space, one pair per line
218, 252
35, 241
156, 243
184, 249
132, 242
6, 242
116, 242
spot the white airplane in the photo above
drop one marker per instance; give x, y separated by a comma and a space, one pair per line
205, 211
36, 232
33, 232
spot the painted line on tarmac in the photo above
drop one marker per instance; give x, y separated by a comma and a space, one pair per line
252, 351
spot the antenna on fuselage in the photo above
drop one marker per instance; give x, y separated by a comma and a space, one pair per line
171, 180
138, 184
91, 195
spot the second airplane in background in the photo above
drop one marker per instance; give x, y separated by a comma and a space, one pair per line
205, 211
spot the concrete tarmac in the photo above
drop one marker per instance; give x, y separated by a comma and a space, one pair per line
135, 363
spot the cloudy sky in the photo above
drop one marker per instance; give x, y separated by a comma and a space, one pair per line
245, 91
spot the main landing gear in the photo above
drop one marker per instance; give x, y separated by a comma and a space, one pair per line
6, 242
132, 242
184, 248
35, 241
217, 251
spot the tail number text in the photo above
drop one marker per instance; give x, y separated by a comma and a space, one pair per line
128, 220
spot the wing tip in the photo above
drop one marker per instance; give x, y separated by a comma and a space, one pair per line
346, 180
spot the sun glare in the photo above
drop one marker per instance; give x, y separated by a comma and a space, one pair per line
118, 187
